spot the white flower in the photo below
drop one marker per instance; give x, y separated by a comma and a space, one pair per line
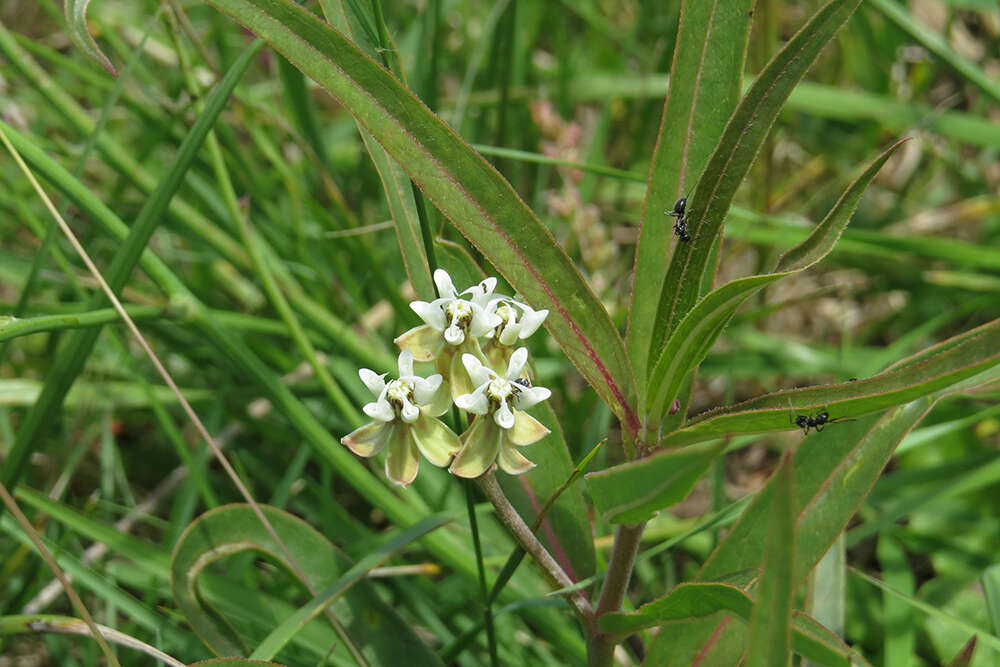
497, 439
404, 418
511, 329
455, 317
497, 394
399, 398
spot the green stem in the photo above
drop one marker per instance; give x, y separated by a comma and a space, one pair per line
491, 637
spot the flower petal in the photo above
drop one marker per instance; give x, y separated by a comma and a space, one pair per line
372, 380
476, 402
368, 440
531, 320
403, 461
461, 383
511, 332
517, 361
526, 429
424, 341
503, 416
431, 313
439, 403
435, 440
530, 396
410, 413
380, 410
483, 321
481, 293
405, 363
512, 462
478, 373
446, 289
480, 448
424, 389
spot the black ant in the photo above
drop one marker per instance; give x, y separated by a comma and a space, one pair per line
524, 382
806, 422
680, 227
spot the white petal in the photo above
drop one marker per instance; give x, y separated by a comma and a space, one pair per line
446, 289
380, 410
483, 321
479, 374
531, 320
454, 335
430, 313
529, 396
405, 364
476, 402
516, 363
425, 388
374, 382
482, 292
503, 416
410, 412
510, 333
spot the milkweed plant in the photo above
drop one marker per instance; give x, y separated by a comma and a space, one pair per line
490, 381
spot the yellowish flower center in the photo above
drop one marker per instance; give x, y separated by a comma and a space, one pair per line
398, 392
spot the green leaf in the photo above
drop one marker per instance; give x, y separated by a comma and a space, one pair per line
76, 21
632, 492
833, 472
690, 342
824, 237
747, 128
233, 662
977, 350
372, 625
290, 626
770, 625
705, 85
67, 366
467, 189
694, 337
705, 601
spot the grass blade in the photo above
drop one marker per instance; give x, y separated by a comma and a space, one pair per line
74, 355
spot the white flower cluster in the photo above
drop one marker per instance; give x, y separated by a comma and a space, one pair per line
404, 413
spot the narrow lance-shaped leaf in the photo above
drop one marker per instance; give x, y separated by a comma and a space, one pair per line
471, 193
705, 80
770, 625
773, 412
76, 20
690, 342
731, 160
